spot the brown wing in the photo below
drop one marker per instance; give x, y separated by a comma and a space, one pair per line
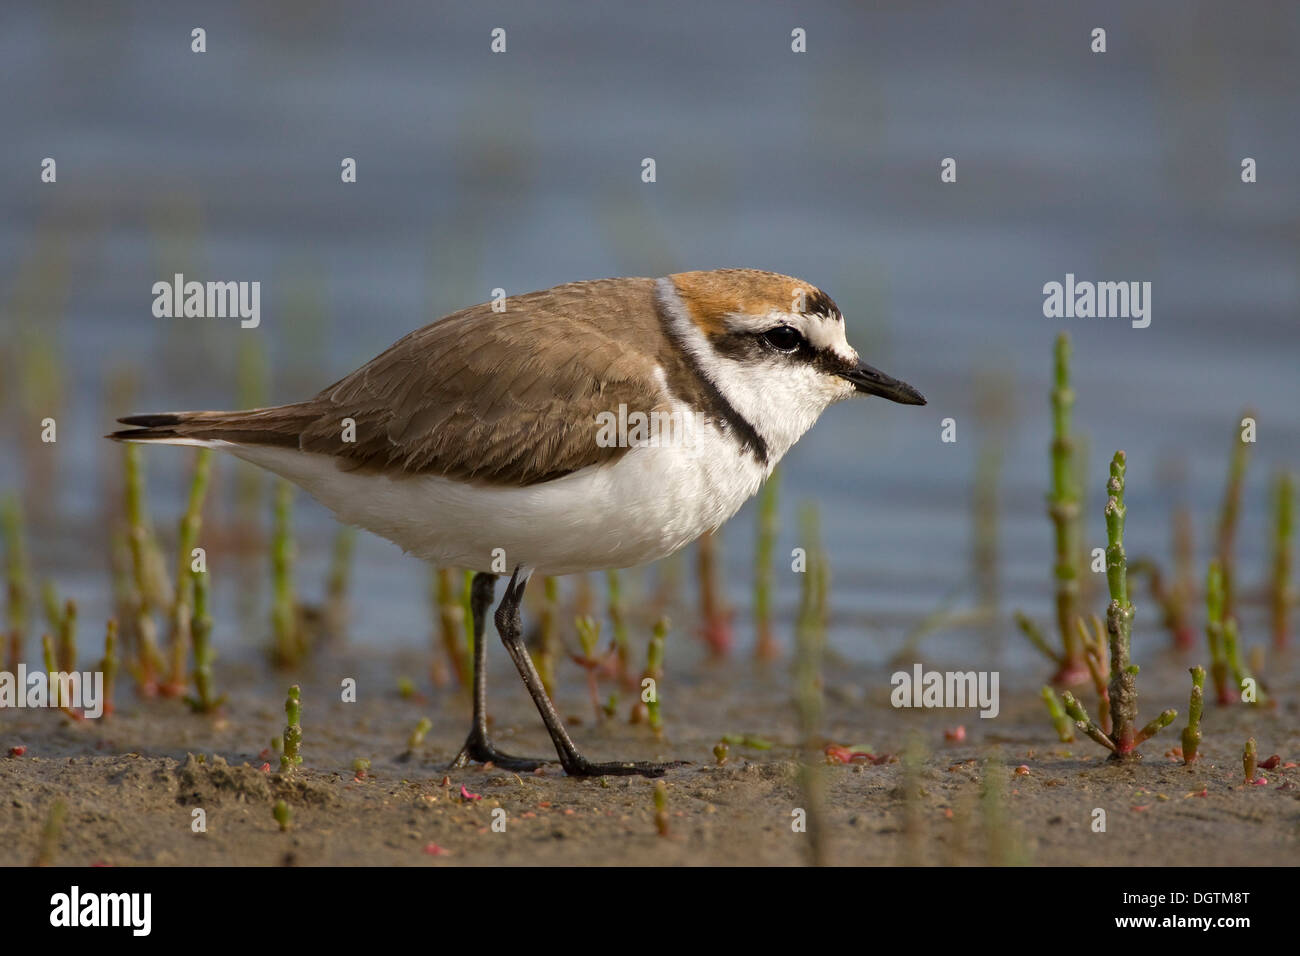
499, 397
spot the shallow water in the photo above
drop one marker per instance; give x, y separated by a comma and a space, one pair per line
523, 170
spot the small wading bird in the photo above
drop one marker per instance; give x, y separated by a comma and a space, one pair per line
480, 432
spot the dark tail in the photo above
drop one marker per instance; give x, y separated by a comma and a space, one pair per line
281, 425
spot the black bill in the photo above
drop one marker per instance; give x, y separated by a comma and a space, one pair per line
870, 381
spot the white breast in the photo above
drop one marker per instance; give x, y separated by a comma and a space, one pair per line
644, 506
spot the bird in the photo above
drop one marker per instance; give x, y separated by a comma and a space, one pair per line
596, 425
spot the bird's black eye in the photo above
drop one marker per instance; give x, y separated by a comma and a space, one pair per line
783, 338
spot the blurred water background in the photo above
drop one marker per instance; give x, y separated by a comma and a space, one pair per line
522, 170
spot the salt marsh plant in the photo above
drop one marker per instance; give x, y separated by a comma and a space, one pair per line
1214, 632
17, 580
1096, 651
288, 646
182, 609
109, 664
815, 583
51, 833
1229, 512
201, 630
911, 785
1060, 719
765, 646
589, 660
338, 583
661, 807
1183, 589
67, 630
1064, 509
810, 638
123, 585
142, 592
618, 624
1226, 667
549, 633
56, 688
467, 611
1281, 590
654, 672
50, 603
1241, 677
41, 381
146, 589
1123, 740
422, 728
290, 759
715, 616
1192, 732
1004, 842
1249, 761
451, 624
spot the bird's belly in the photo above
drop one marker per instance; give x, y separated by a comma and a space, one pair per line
644, 506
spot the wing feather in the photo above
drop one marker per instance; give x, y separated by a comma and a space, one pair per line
499, 397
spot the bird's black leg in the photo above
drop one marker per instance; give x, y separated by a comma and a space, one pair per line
477, 746
574, 763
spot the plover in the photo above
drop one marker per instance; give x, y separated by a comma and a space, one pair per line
485, 436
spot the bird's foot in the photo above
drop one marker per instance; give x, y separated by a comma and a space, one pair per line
478, 749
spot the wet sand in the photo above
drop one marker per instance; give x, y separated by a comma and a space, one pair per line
132, 782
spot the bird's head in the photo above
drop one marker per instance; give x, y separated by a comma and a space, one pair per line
773, 345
